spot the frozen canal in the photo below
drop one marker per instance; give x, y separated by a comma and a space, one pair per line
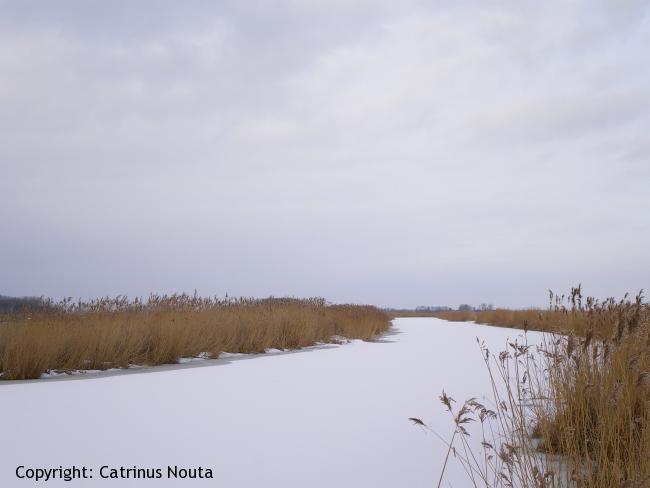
326, 417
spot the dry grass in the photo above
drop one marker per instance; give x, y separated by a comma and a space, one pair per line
456, 316
110, 333
399, 313
566, 315
530, 319
598, 389
572, 412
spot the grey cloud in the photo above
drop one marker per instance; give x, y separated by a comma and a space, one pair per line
394, 153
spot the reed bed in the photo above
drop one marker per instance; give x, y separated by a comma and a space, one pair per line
118, 332
533, 319
574, 411
401, 313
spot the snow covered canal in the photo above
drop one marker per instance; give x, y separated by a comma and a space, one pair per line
335, 416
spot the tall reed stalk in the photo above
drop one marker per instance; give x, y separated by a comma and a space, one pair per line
572, 411
118, 332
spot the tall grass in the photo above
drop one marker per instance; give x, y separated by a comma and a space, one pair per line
118, 332
574, 411
534, 319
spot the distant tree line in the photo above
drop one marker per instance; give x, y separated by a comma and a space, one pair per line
463, 307
434, 309
20, 304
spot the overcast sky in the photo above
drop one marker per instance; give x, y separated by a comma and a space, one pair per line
396, 153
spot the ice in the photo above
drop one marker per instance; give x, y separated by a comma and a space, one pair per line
326, 416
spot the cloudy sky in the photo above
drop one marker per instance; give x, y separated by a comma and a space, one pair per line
396, 153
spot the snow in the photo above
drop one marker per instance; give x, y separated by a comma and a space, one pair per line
183, 362
334, 415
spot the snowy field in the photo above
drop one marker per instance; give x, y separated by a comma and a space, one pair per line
334, 416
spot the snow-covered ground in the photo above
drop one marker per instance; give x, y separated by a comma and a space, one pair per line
332, 416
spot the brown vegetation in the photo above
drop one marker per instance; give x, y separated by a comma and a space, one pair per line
399, 313
118, 332
598, 415
578, 318
582, 399
532, 319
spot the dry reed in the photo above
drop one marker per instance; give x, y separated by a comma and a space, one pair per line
118, 332
574, 411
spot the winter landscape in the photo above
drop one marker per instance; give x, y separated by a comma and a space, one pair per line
327, 415
325, 243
